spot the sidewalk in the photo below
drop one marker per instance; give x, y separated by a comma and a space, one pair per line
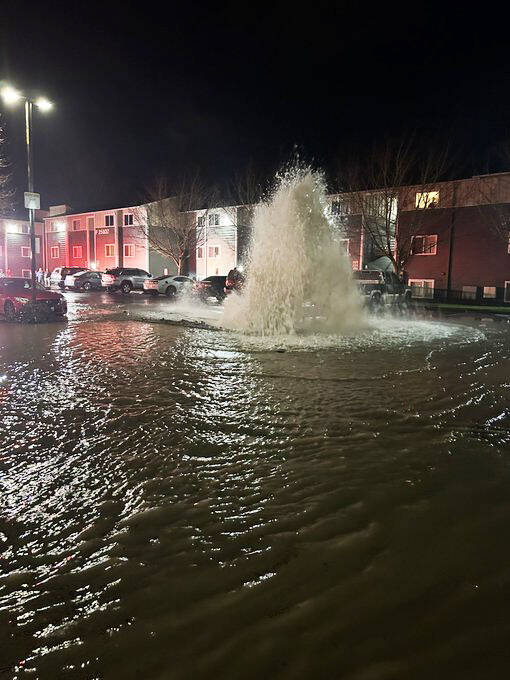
464, 308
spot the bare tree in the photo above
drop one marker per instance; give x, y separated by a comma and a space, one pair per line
391, 189
492, 194
6, 192
168, 217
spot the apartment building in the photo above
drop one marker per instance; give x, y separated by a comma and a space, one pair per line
15, 249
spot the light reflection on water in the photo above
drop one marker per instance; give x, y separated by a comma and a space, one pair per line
192, 502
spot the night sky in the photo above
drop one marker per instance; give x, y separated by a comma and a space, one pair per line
140, 93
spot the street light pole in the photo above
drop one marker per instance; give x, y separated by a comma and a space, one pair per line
30, 173
11, 96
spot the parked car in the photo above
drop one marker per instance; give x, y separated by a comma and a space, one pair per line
124, 279
59, 274
380, 288
171, 286
84, 280
15, 293
210, 287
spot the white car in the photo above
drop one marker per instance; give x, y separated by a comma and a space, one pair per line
56, 276
70, 278
171, 286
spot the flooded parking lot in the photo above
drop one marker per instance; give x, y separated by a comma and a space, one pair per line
190, 503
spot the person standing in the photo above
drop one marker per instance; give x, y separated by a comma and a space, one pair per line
39, 276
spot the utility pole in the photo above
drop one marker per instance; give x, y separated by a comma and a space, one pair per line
30, 173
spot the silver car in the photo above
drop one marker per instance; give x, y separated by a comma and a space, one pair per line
171, 286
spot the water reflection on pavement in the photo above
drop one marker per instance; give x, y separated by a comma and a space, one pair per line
186, 503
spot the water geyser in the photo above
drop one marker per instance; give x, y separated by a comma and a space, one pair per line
298, 276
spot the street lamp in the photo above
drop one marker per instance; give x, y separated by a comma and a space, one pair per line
12, 96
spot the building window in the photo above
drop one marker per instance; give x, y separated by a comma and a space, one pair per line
507, 291
25, 251
90, 223
129, 249
37, 245
108, 220
128, 219
469, 292
339, 208
200, 253
109, 250
55, 252
508, 247
489, 292
213, 251
214, 219
26, 273
24, 229
422, 288
344, 245
427, 199
76, 225
77, 252
201, 221
424, 245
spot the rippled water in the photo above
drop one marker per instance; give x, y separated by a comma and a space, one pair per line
186, 503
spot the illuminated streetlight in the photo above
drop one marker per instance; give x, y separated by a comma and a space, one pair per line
11, 96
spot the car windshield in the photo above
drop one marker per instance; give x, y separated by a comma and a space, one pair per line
367, 275
113, 272
161, 278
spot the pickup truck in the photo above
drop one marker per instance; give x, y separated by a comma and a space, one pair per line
381, 288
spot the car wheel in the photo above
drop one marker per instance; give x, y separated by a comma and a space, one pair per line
154, 293
87, 285
170, 292
126, 287
9, 311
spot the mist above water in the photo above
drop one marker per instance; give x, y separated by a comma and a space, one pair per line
298, 277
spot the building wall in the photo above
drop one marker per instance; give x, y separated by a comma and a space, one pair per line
222, 236
12, 240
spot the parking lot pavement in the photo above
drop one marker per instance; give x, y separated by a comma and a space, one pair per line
98, 304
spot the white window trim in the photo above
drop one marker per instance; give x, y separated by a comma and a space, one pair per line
129, 224
508, 247
113, 220
27, 248
422, 281
109, 245
132, 248
78, 257
214, 215
28, 273
424, 236
343, 242
506, 297
214, 257
489, 297
55, 257
73, 225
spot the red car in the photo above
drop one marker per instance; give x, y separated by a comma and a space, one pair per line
16, 292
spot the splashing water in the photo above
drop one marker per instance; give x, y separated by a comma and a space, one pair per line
298, 276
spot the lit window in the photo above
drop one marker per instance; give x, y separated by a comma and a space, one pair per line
213, 251
469, 292
489, 292
25, 252
128, 219
508, 247
76, 225
214, 219
427, 199
109, 250
129, 249
55, 252
200, 253
424, 245
108, 220
422, 288
507, 291
90, 223
77, 252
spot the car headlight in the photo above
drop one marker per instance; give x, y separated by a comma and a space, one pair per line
22, 300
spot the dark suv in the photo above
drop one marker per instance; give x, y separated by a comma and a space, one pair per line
381, 288
124, 279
